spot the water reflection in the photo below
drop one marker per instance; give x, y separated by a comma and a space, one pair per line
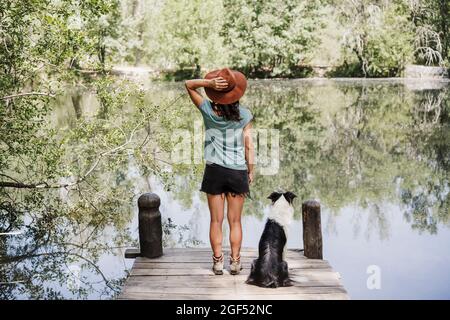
375, 153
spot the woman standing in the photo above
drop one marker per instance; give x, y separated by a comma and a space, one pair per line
229, 156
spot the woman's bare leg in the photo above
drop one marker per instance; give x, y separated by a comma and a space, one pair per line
235, 205
216, 205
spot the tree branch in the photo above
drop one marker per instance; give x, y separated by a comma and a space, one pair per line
45, 185
25, 94
21, 185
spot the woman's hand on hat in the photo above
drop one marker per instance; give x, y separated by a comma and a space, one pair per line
218, 84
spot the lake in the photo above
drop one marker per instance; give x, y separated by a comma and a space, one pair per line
375, 153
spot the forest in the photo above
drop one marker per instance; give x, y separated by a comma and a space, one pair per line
368, 38
280, 38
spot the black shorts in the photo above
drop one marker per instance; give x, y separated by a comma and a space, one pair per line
218, 180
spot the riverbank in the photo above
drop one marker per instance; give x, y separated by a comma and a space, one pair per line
411, 72
418, 83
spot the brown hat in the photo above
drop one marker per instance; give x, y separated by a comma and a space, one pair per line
237, 83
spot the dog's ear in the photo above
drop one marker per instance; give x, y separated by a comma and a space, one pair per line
289, 196
274, 196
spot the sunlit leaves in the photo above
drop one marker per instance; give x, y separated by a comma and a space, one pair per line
270, 38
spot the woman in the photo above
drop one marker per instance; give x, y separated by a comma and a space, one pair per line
229, 156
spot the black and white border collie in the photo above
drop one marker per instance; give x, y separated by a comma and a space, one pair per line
270, 270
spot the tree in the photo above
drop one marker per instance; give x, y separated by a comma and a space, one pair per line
139, 29
378, 34
431, 21
349, 144
189, 37
59, 184
270, 37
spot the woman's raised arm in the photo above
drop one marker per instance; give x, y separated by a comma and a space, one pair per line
218, 84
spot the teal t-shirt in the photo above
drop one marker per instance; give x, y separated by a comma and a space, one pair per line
224, 139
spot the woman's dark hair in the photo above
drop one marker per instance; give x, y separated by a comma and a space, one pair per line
229, 111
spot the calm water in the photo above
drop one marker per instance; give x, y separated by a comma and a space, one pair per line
374, 152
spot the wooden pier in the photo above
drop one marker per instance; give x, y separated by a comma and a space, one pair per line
185, 273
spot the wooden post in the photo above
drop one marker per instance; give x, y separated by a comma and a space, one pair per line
150, 227
312, 230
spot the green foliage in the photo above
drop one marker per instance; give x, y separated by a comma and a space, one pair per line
272, 38
432, 30
77, 145
389, 49
283, 38
377, 39
354, 144
189, 36
182, 39
62, 186
138, 32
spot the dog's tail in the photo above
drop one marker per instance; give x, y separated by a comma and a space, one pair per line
284, 279
287, 282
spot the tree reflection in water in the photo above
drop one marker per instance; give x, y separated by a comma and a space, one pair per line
359, 143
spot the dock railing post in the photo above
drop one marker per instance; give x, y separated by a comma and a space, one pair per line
312, 230
150, 228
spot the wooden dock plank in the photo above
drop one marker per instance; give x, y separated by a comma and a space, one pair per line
231, 290
193, 281
205, 256
185, 273
325, 273
157, 296
207, 265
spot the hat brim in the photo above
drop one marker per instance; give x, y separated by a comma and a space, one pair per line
227, 97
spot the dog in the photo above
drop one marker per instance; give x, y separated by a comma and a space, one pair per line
270, 270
